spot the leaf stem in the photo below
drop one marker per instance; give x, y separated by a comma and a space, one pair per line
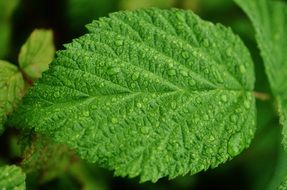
262, 96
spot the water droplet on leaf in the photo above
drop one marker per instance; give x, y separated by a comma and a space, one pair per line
171, 72
205, 43
242, 69
135, 76
185, 54
144, 130
224, 98
113, 71
114, 120
246, 104
235, 145
119, 42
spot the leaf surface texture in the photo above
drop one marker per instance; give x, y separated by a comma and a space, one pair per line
12, 177
148, 93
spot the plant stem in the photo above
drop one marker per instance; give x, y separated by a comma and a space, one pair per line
262, 96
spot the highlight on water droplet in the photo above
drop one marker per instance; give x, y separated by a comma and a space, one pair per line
139, 105
114, 120
247, 104
86, 114
191, 82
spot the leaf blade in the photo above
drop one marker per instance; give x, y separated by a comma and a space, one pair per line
138, 95
11, 90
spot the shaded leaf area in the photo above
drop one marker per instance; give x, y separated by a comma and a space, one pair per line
11, 90
270, 22
12, 177
151, 92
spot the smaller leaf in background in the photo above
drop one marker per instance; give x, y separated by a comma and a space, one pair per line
11, 89
270, 22
12, 177
37, 53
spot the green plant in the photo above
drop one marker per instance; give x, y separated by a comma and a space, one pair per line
150, 93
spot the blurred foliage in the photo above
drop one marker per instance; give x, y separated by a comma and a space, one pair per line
7, 8
54, 166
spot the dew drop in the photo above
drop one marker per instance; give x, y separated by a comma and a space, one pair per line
113, 71
86, 114
246, 104
235, 144
135, 76
224, 98
102, 84
184, 73
196, 28
173, 105
171, 72
233, 118
133, 85
144, 130
191, 82
119, 42
179, 16
139, 105
114, 120
205, 117
56, 94
242, 69
228, 52
185, 54
205, 43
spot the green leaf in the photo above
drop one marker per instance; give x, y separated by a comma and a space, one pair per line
12, 177
149, 92
11, 90
37, 53
270, 22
